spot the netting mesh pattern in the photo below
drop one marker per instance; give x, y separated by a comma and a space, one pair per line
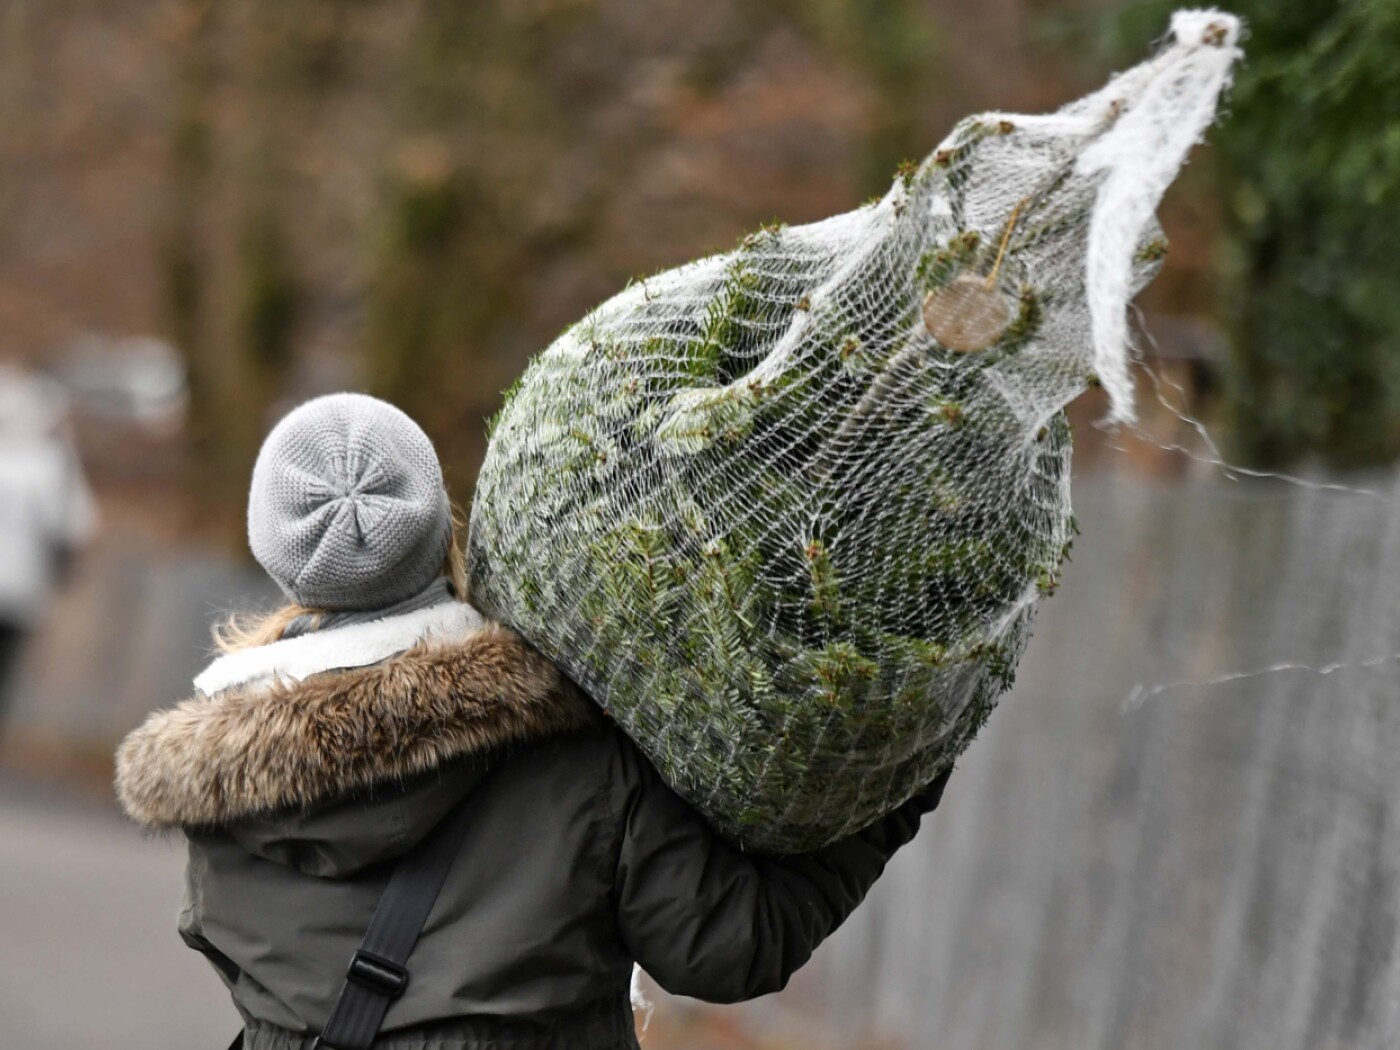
786, 512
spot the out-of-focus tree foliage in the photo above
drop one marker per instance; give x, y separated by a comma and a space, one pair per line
1308, 173
233, 293
494, 96
427, 190
483, 106
896, 46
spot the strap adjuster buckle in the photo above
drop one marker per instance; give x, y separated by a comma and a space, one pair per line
377, 974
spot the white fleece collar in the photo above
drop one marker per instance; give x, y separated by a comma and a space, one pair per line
355, 645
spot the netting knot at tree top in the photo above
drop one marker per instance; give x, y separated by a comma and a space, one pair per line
786, 512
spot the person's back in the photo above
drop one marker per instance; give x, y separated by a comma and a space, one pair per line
309, 762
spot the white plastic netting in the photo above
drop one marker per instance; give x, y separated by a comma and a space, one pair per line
786, 512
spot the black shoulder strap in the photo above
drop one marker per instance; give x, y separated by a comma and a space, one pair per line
377, 974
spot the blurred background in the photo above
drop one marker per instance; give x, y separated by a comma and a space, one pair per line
210, 211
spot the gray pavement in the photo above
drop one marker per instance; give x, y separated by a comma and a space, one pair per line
90, 955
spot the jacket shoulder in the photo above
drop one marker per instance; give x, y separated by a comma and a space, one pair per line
290, 742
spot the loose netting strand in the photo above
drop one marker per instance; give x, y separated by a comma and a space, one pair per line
786, 512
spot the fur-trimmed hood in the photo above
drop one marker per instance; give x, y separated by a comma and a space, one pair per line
308, 721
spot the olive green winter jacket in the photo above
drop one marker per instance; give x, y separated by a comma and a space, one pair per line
303, 770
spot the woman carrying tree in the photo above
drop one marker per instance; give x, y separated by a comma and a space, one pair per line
377, 736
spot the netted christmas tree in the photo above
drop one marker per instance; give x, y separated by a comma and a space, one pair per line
786, 512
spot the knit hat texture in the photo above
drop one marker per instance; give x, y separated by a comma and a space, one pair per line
347, 508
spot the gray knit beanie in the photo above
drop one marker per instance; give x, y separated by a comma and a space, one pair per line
347, 509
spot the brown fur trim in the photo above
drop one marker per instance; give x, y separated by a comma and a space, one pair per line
210, 761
